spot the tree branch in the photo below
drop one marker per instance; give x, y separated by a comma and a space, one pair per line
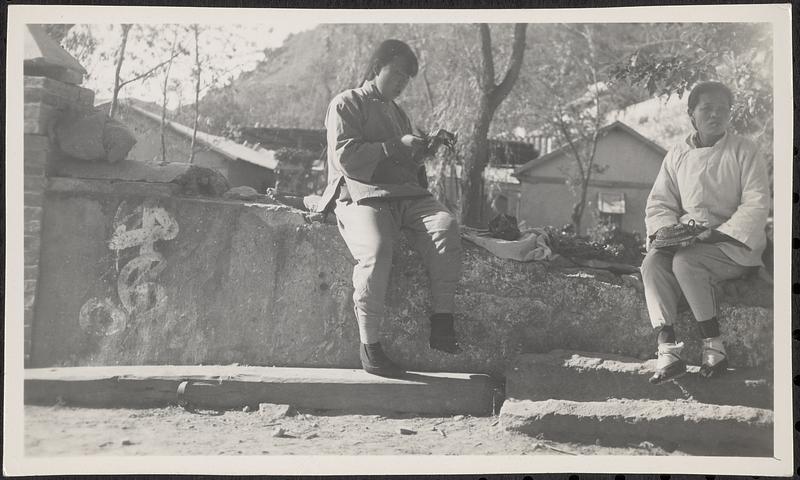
487, 61
517, 54
149, 72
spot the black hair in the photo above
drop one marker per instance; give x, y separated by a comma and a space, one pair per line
708, 87
385, 53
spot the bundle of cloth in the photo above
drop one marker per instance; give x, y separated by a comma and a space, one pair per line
532, 245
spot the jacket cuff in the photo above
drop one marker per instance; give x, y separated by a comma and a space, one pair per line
657, 223
736, 234
392, 149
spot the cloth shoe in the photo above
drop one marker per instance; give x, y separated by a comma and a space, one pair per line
715, 358
669, 365
443, 335
375, 361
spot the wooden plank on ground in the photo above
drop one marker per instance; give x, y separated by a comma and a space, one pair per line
226, 387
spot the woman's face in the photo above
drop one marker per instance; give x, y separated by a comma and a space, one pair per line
712, 114
393, 77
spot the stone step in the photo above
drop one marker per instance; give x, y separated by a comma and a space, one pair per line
686, 426
592, 377
229, 387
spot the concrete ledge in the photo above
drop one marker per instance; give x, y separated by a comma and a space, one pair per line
227, 387
587, 377
691, 427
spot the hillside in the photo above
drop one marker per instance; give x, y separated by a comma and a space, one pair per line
291, 88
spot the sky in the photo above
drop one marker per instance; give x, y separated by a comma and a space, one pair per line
232, 49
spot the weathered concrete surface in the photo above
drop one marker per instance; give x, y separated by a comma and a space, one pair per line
691, 427
234, 387
143, 278
586, 377
193, 179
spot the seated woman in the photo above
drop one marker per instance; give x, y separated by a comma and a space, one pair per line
377, 189
717, 179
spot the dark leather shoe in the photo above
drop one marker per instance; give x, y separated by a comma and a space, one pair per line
443, 335
375, 361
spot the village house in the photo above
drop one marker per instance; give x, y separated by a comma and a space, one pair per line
300, 153
618, 193
251, 166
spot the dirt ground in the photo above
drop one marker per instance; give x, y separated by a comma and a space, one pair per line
173, 431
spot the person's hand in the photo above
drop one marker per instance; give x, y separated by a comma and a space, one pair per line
414, 142
712, 236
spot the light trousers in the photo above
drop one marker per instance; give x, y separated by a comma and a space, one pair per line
692, 272
371, 231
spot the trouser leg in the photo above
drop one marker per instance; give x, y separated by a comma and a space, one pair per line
369, 232
697, 269
435, 235
661, 289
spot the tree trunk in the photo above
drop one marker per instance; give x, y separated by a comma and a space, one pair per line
126, 27
491, 96
196, 90
475, 161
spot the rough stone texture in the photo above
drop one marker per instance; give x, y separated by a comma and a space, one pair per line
232, 387
57, 94
585, 377
690, 427
242, 193
40, 118
92, 136
213, 281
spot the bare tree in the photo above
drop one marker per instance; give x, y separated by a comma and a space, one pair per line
197, 69
490, 96
175, 50
123, 43
142, 73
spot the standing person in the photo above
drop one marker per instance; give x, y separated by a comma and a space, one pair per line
376, 185
717, 179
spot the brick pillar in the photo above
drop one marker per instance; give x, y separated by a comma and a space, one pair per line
51, 88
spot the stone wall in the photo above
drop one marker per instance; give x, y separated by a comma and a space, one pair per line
126, 264
46, 100
136, 273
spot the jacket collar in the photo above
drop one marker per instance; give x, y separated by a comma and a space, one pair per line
371, 90
693, 140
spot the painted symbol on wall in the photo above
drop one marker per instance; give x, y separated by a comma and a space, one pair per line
140, 296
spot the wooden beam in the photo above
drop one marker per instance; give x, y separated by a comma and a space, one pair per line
233, 387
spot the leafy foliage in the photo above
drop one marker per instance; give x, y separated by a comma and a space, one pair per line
619, 245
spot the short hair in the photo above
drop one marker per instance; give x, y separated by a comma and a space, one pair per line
708, 87
385, 53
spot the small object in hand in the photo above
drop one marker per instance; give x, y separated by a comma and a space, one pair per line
440, 137
677, 236
504, 227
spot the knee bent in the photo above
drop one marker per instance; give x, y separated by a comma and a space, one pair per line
684, 265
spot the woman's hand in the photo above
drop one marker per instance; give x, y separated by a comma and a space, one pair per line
414, 142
